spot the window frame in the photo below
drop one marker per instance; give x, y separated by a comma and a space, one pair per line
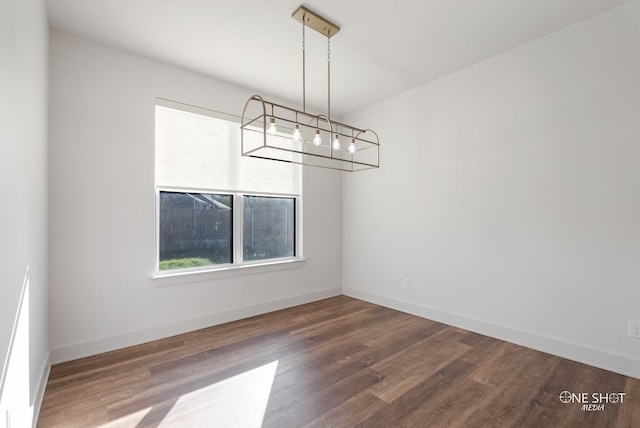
238, 264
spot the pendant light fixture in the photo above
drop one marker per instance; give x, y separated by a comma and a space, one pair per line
277, 132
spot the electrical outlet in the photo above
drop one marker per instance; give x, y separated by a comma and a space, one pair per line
406, 284
242, 289
634, 329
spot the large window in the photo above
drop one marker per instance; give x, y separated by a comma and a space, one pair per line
216, 208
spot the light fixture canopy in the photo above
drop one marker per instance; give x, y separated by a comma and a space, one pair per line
299, 136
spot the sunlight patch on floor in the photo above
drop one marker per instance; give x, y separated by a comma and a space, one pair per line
238, 401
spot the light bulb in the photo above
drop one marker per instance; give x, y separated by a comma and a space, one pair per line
336, 143
272, 126
352, 146
296, 134
317, 140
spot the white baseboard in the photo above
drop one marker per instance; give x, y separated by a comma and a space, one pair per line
42, 386
79, 350
551, 345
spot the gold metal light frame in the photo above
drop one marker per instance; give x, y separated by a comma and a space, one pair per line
276, 132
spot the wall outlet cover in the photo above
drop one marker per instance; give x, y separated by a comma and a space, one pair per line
242, 289
634, 329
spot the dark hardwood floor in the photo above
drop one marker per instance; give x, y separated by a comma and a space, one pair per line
339, 362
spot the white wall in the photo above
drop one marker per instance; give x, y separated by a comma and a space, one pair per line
102, 209
23, 206
509, 194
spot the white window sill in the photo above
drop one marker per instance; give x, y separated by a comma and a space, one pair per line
161, 279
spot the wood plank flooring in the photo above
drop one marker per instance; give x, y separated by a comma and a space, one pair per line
339, 362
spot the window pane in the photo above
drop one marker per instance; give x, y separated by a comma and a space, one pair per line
195, 229
269, 227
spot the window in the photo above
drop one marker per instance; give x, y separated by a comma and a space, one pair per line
268, 230
195, 229
216, 208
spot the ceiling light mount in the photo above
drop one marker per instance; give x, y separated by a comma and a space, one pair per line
315, 21
277, 132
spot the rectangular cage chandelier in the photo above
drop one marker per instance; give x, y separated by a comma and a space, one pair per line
280, 133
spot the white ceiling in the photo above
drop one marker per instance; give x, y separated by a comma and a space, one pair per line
383, 48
